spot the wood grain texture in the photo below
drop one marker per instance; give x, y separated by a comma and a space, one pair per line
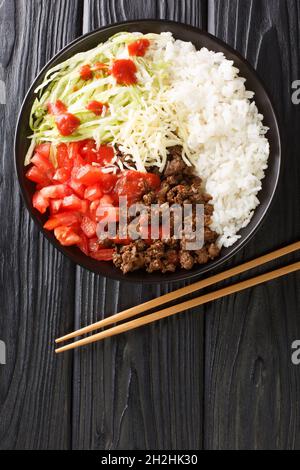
36, 282
219, 376
142, 390
251, 387
101, 12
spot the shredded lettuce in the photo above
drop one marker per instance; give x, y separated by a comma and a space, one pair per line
140, 118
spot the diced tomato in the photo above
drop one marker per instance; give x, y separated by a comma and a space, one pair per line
63, 218
78, 188
88, 227
88, 151
84, 194
89, 174
56, 191
86, 72
124, 71
93, 192
139, 47
55, 206
66, 236
85, 206
105, 154
57, 108
93, 209
72, 203
67, 123
74, 149
97, 107
104, 254
43, 149
108, 181
83, 245
62, 175
42, 163
39, 202
62, 155
37, 176
106, 200
133, 184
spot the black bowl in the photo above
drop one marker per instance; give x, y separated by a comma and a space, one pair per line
200, 39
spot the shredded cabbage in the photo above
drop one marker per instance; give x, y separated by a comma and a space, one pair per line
141, 119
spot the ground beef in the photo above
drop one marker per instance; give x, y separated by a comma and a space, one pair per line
186, 259
180, 186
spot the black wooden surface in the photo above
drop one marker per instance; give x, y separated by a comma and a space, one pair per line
218, 377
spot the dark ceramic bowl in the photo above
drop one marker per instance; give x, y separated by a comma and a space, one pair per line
200, 39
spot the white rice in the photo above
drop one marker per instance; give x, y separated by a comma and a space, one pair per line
224, 129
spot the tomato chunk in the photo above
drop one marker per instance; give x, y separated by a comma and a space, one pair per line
93, 209
42, 163
43, 149
89, 174
66, 236
105, 154
124, 71
108, 181
88, 151
62, 155
139, 47
39, 202
86, 72
93, 192
55, 205
78, 188
103, 254
37, 176
67, 123
56, 191
88, 227
61, 175
106, 200
72, 203
62, 218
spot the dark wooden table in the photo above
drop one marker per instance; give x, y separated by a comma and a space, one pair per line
217, 377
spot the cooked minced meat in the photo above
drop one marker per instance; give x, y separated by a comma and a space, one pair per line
179, 185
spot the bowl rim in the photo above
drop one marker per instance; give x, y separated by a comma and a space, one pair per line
167, 277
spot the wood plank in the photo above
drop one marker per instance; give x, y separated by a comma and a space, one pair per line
142, 390
36, 282
251, 392
101, 12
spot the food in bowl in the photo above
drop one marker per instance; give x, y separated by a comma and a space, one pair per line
148, 118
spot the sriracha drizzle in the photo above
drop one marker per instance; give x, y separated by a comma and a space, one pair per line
124, 71
139, 47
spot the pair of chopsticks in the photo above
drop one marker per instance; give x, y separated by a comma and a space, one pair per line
167, 312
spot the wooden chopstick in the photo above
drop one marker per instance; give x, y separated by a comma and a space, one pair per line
182, 291
145, 320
